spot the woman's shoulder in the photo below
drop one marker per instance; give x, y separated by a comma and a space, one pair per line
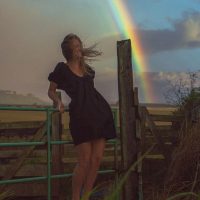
60, 68
59, 65
57, 75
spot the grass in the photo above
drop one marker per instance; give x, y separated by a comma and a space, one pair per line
184, 194
6, 195
116, 189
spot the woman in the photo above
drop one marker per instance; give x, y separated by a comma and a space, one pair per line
91, 120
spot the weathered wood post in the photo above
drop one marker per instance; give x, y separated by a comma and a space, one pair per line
57, 152
127, 114
139, 124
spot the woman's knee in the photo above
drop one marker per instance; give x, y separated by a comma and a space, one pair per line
84, 154
96, 159
84, 162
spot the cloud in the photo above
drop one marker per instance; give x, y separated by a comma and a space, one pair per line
175, 77
184, 34
161, 82
31, 32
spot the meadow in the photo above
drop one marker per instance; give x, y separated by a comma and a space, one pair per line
38, 158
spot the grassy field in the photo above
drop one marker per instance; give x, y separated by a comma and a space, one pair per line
16, 116
39, 156
28, 116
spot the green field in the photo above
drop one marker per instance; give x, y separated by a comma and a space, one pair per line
17, 116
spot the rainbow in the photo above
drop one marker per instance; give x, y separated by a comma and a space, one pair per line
127, 27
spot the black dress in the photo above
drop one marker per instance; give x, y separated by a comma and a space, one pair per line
90, 114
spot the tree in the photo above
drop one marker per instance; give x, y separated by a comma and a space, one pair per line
183, 90
185, 94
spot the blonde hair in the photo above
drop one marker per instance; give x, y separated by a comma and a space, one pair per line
89, 53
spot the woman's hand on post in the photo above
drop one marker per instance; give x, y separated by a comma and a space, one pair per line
61, 107
52, 95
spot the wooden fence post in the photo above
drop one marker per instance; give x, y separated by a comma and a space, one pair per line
57, 152
127, 114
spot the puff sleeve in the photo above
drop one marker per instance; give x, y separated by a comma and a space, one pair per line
57, 76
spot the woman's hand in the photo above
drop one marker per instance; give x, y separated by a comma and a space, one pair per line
52, 95
61, 107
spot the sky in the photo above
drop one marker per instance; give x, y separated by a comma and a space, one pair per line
32, 30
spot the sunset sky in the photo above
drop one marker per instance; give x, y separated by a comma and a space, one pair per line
32, 30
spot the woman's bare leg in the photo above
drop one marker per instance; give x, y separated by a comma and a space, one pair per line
98, 147
84, 154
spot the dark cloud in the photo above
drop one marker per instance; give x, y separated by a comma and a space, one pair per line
184, 34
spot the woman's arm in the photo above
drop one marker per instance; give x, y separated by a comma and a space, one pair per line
53, 96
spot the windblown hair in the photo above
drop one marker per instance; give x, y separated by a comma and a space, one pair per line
89, 53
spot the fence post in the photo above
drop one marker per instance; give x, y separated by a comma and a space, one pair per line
127, 118
57, 152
